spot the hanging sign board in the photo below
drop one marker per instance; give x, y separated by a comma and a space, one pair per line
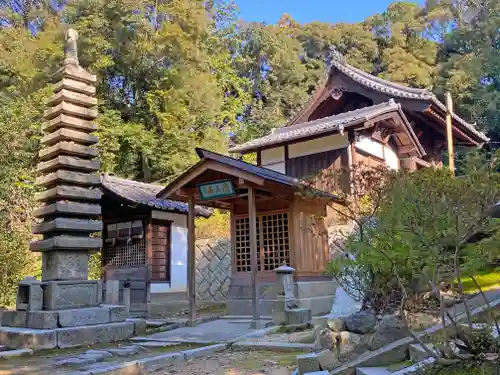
216, 189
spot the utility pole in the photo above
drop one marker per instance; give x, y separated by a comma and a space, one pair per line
449, 134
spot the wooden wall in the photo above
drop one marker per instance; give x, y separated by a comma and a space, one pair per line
309, 237
320, 166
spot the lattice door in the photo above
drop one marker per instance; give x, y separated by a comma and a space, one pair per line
160, 259
272, 242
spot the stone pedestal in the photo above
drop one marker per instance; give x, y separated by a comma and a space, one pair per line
63, 310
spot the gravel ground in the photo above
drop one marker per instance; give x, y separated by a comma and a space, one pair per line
236, 363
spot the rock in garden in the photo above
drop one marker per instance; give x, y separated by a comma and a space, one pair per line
349, 342
336, 325
328, 360
361, 322
390, 329
326, 340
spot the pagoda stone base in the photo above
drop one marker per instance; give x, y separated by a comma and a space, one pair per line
71, 294
68, 328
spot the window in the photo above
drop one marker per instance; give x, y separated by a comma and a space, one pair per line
125, 244
272, 242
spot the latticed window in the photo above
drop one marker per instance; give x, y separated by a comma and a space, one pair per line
272, 242
125, 244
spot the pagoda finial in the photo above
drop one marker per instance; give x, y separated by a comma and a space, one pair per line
71, 50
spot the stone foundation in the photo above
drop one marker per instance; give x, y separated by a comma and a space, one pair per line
318, 296
39, 339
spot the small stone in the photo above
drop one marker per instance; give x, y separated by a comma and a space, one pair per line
361, 322
103, 353
125, 351
157, 344
76, 361
307, 363
328, 360
336, 325
326, 340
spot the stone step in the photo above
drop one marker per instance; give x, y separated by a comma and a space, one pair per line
74, 85
372, 371
64, 134
76, 73
70, 122
68, 148
65, 242
65, 108
68, 208
72, 97
69, 192
15, 353
153, 323
61, 224
63, 176
68, 162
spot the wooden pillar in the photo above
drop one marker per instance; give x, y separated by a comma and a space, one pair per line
191, 276
252, 217
449, 133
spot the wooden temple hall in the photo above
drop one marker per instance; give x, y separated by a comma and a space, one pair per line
271, 224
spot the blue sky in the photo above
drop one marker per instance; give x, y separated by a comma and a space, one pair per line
305, 11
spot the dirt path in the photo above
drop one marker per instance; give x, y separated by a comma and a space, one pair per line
236, 363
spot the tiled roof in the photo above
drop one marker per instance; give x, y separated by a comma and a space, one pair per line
145, 194
324, 125
265, 173
398, 91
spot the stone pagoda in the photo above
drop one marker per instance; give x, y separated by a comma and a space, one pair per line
63, 309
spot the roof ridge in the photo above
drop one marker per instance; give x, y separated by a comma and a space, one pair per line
389, 103
129, 181
320, 126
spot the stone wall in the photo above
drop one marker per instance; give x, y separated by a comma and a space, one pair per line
213, 269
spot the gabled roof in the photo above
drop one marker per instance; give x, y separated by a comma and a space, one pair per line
140, 193
328, 125
264, 173
394, 90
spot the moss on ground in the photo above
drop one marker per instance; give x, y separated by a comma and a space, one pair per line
488, 280
463, 369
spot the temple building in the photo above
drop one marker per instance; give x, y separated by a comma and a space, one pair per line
354, 116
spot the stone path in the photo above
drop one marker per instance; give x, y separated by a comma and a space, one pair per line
217, 331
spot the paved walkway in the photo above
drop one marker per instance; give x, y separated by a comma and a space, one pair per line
217, 331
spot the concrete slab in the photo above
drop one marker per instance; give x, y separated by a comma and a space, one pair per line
217, 331
88, 335
15, 353
372, 371
272, 346
26, 338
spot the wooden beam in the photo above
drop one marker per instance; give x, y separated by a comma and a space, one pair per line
449, 133
406, 149
252, 216
191, 262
